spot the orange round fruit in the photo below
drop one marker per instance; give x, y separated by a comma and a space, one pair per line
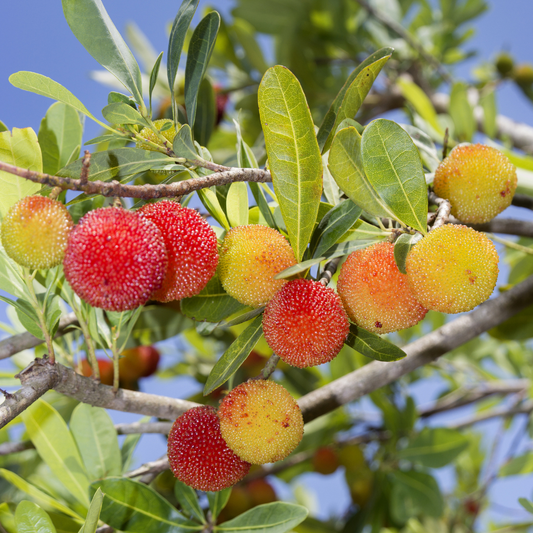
35, 232
325, 461
250, 257
375, 294
261, 422
452, 269
105, 367
479, 182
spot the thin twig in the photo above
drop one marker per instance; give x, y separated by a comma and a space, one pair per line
522, 200
149, 468
329, 271
443, 210
270, 367
85, 167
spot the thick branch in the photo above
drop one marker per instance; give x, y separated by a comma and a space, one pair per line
523, 200
419, 353
507, 226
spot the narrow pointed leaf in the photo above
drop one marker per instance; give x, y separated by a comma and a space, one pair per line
362, 230
327, 126
218, 500
373, 346
331, 189
122, 113
95, 30
175, 45
30, 518
245, 317
237, 204
211, 203
153, 78
188, 500
200, 50
93, 514
294, 270
346, 248
392, 165
402, 247
206, 113
183, 145
234, 356
293, 155
462, 113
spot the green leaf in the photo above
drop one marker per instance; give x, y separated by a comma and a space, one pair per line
198, 55
93, 514
331, 189
175, 45
153, 78
157, 323
131, 506
434, 447
3, 127
183, 145
237, 204
7, 518
30, 518
59, 135
234, 356
426, 147
246, 36
37, 494
327, 126
52, 312
245, 317
206, 113
362, 230
333, 226
19, 148
92, 26
213, 304
527, 505
413, 494
28, 317
96, 437
218, 500
188, 500
372, 345
402, 247
462, 113
293, 155
52, 439
393, 167
277, 517
298, 268
523, 464
487, 102
346, 248
39, 84
346, 167
121, 113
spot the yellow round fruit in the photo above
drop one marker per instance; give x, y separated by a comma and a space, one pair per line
261, 422
478, 180
148, 134
452, 269
523, 75
250, 257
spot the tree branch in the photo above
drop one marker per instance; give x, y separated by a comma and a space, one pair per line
523, 200
507, 226
523, 408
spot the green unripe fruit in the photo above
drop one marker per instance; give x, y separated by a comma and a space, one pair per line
504, 64
523, 75
149, 134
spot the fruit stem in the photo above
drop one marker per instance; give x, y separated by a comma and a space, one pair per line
329, 271
443, 209
115, 332
270, 366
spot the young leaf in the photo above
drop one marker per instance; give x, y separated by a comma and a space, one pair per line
277, 517
121, 113
96, 437
131, 506
373, 346
92, 26
234, 356
402, 247
59, 135
175, 46
206, 113
237, 204
218, 500
20, 148
30, 518
462, 113
153, 79
199, 53
327, 126
293, 155
188, 500
211, 203
93, 514
392, 165
50, 435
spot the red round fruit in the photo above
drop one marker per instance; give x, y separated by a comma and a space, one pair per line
305, 323
105, 367
192, 249
199, 456
139, 362
115, 259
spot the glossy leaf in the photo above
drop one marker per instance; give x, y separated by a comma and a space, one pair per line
434, 447
346, 167
293, 155
206, 113
153, 78
132, 506
188, 500
20, 148
462, 113
93, 514
393, 167
93, 27
96, 437
198, 55
237, 204
213, 304
183, 145
52, 439
175, 45
277, 517
327, 126
211, 203
372, 345
59, 135
30, 518
333, 226
218, 500
121, 113
402, 247
522, 464
234, 356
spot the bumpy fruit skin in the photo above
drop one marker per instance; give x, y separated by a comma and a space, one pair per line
139, 362
305, 323
261, 422
198, 455
148, 133
115, 259
105, 367
325, 461
35, 232
478, 180
375, 294
249, 259
191, 246
452, 269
